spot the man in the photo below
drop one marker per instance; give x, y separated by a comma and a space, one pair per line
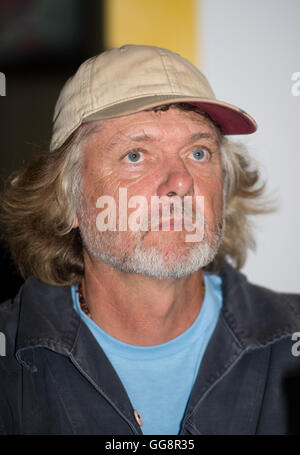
133, 321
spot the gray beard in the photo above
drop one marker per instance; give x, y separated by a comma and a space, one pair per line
151, 262
148, 261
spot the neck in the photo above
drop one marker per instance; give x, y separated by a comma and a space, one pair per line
137, 309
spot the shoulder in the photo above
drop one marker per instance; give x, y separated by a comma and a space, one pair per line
257, 314
12, 318
10, 370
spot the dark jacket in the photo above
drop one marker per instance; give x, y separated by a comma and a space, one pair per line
55, 379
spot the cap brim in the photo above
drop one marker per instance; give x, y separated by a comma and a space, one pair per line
231, 119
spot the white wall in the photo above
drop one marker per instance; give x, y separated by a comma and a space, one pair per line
250, 49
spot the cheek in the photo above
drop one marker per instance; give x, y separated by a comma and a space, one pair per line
145, 185
98, 185
211, 190
218, 199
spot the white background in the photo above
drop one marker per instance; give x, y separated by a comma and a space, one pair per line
249, 51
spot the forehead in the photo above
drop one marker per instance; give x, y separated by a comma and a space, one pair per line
155, 125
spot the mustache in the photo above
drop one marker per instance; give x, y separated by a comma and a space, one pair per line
178, 218
179, 221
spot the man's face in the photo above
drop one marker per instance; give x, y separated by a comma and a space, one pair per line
163, 153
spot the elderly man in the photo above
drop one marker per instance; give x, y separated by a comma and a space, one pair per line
134, 321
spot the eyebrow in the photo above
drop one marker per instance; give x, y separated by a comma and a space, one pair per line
197, 136
215, 139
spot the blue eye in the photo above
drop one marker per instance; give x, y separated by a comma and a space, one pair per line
199, 154
134, 156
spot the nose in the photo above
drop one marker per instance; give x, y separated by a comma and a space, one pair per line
178, 181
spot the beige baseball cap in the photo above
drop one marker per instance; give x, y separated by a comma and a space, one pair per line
133, 78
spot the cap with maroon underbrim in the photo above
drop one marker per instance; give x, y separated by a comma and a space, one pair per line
133, 78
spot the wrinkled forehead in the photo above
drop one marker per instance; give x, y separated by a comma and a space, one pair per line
158, 125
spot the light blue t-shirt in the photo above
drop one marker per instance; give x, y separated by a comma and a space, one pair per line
159, 379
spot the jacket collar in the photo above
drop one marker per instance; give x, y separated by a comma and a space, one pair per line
251, 318
48, 319
255, 316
